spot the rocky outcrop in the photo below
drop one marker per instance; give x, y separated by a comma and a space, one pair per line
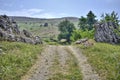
9, 31
107, 32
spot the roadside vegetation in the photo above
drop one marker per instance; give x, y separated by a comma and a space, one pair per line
105, 59
16, 59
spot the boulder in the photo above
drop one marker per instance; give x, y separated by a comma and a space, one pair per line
9, 31
81, 41
38, 40
106, 32
63, 40
27, 34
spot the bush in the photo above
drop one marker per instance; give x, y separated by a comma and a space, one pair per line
77, 34
87, 34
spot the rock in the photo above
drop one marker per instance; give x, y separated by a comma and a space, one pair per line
38, 40
88, 44
63, 40
28, 40
9, 31
106, 32
27, 34
81, 41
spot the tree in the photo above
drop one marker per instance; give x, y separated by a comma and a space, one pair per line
46, 25
66, 28
82, 23
86, 23
90, 20
113, 17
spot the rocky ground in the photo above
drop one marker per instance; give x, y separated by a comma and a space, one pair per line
54, 60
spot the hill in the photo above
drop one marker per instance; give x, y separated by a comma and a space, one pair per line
30, 19
37, 25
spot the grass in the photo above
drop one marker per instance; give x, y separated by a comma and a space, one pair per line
36, 29
17, 60
71, 70
105, 59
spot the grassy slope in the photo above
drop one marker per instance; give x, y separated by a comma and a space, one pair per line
36, 29
34, 25
105, 58
18, 58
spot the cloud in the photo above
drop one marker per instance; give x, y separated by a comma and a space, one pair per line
37, 13
23, 12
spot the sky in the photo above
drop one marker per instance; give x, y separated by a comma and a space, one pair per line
58, 8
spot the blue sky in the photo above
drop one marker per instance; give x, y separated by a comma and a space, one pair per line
57, 8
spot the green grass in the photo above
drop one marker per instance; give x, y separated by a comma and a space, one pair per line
36, 29
17, 60
105, 59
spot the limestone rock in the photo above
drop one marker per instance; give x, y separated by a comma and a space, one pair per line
81, 41
27, 34
9, 31
106, 32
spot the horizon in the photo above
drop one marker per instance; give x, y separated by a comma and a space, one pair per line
57, 9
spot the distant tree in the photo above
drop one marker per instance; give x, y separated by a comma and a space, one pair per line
82, 23
41, 25
113, 17
46, 25
66, 28
90, 20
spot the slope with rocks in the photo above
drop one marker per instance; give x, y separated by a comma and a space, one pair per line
9, 31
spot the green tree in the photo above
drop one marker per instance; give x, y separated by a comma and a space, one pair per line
82, 23
66, 28
90, 20
113, 17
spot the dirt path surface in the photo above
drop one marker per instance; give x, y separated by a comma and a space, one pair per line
87, 71
57, 61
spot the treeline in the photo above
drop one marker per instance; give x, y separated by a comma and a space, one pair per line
86, 26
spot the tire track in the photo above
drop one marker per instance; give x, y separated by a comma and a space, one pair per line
86, 69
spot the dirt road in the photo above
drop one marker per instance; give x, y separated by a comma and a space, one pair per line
57, 61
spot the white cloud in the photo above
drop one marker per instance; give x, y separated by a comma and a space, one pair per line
38, 13
23, 12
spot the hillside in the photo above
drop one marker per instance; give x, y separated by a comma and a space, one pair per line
30, 19
36, 25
